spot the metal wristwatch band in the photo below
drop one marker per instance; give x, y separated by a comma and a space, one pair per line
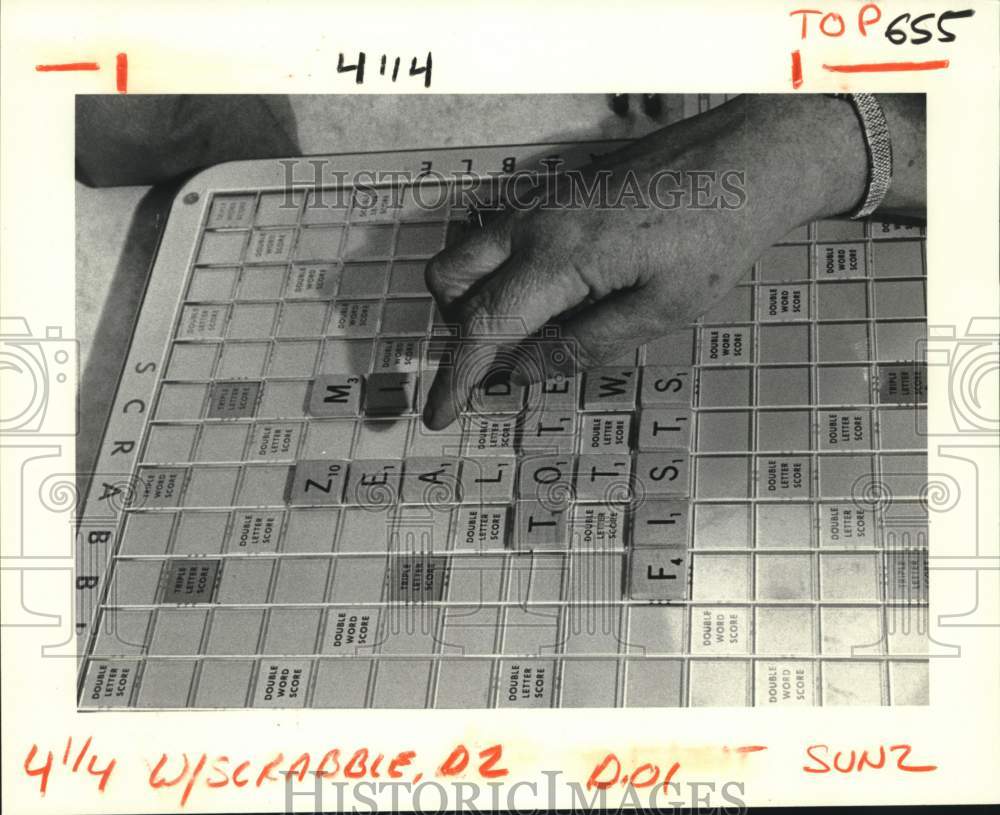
878, 146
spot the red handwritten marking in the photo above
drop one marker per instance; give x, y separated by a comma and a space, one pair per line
846, 761
83, 752
42, 771
751, 748
69, 66
121, 73
880, 67
796, 69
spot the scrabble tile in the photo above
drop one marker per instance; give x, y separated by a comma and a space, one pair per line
654, 683
389, 394
200, 533
610, 389
180, 402
258, 532
430, 481
192, 360
784, 263
848, 577
495, 394
373, 482
598, 526
282, 683
783, 386
264, 486
840, 260
233, 400
363, 279
178, 632
548, 479
318, 482
665, 385
660, 523
212, 284
902, 341
487, 480
147, 533
311, 281
342, 683
662, 473
721, 577
785, 684
284, 400
844, 385
109, 683
664, 429
781, 303
540, 526
784, 477
842, 342
722, 526
203, 322
548, 431
190, 581
851, 630
166, 683
245, 580
726, 345
898, 259
319, 243
724, 431
481, 528
589, 683
604, 478
222, 247
784, 430
230, 211
852, 683
784, 576
364, 242
167, 444
720, 630
158, 487
325, 207
291, 630
402, 683
784, 344
785, 630
234, 631
335, 395
243, 360
554, 394
252, 321
222, 442
463, 684
842, 301
224, 683
122, 633
719, 683
279, 208
781, 526
909, 683
659, 573
261, 283
419, 240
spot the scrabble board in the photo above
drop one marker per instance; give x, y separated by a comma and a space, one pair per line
732, 515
